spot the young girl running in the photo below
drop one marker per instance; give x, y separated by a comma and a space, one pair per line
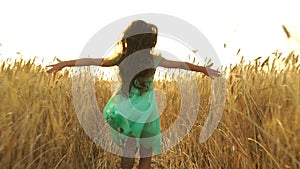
132, 111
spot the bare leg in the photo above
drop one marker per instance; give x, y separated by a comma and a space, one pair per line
145, 160
129, 150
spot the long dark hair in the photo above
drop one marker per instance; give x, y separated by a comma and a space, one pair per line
136, 60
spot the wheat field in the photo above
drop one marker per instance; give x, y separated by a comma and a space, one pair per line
260, 126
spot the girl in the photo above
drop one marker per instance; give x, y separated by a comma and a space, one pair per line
132, 111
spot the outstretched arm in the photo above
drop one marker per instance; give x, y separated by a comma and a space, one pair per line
207, 70
80, 62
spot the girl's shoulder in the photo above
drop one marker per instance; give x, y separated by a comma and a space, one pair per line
157, 59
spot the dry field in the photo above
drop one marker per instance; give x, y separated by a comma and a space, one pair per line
260, 126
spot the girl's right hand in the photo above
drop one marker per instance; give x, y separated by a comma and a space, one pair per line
56, 67
208, 71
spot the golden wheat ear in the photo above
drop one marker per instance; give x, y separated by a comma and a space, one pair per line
287, 33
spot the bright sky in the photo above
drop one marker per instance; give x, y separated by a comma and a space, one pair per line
62, 28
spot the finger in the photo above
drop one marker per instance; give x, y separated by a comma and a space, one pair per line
210, 65
58, 60
215, 71
54, 72
50, 71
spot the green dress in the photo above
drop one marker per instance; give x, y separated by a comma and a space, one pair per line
135, 116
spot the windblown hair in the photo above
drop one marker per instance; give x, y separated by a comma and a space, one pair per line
135, 60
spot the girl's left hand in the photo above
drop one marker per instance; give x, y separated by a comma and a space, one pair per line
56, 67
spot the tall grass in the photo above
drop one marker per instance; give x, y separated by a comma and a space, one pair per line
260, 127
